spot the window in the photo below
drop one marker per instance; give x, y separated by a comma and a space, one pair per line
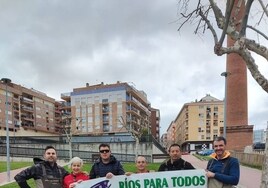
77, 113
77, 102
96, 100
201, 122
89, 119
201, 115
119, 98
119, 108
83, 101
89, 100
104, 100
84, 110
89, 109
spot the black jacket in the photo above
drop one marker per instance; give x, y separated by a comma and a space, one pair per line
99, 169
179, 164
36, 172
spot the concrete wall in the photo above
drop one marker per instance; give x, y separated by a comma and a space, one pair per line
255, 159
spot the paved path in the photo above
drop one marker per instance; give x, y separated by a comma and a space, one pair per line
3, 176
249, 177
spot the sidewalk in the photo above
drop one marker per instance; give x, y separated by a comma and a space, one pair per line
249, 177
3, 176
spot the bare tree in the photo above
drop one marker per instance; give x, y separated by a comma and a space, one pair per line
228, 23
137, 131
203, 15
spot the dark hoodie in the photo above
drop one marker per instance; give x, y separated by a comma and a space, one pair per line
99, 169
179, 164
36, 172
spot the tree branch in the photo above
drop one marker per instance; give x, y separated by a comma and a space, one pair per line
229, 7
264, 8
258, 31
245, 18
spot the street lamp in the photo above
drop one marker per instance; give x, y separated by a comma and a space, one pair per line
6, 81
225, 74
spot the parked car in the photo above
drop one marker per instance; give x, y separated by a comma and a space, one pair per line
205, 152
259, 146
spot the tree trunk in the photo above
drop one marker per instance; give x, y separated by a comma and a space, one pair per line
264, 178
136, 146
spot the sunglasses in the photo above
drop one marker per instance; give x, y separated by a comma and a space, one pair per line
104, 151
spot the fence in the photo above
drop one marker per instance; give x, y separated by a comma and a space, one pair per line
87, 156
254, 159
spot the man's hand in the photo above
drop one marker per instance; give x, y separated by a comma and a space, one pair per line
128, 173
210, 174
109, 175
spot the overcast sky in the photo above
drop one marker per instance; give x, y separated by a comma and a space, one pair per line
57, 45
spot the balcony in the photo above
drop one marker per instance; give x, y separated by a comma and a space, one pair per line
26, 100
27, 108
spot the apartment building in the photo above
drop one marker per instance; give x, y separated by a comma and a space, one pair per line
155, 123
30, 112
197, 124
164, 140
259, 136
117, 108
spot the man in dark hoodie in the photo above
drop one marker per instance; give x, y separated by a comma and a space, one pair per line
175, 162
107, 165
46, 173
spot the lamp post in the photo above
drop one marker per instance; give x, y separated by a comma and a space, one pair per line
6, 81
225, 74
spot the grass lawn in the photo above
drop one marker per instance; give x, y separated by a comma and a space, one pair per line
129, 167
13, 165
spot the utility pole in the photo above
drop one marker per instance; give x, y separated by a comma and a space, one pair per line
264, 178
225, 74
6, 81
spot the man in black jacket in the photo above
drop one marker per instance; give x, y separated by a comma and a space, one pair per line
175, 162
107, 165
46, 173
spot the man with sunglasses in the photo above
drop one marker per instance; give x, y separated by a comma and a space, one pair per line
46, 173
107, 165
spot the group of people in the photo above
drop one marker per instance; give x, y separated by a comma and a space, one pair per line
222, 169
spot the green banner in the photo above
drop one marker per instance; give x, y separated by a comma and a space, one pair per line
167, 179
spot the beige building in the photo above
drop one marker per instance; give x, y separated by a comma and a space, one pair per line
107, 109
30, 112
197, 124
92, 110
